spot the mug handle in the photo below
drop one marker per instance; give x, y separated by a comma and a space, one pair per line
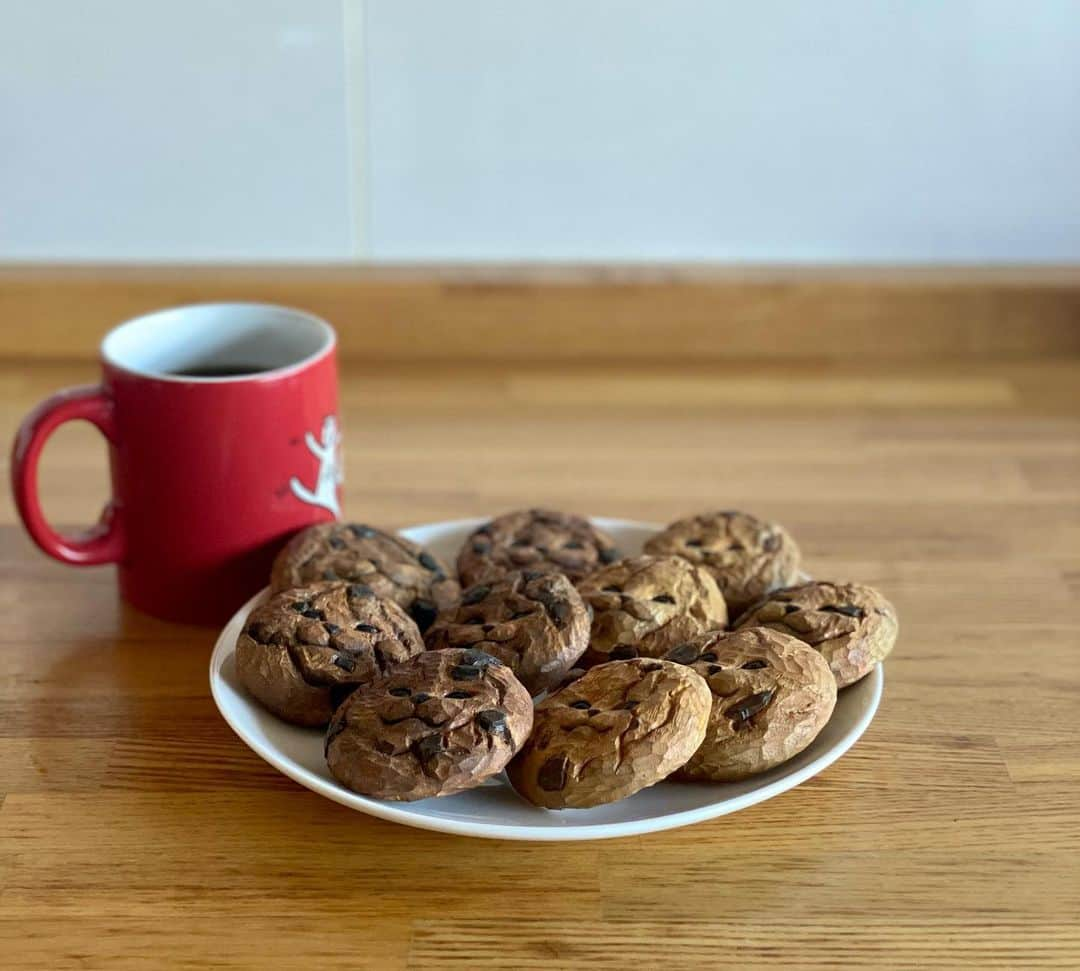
101, 543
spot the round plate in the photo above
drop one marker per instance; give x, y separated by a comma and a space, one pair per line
494, 810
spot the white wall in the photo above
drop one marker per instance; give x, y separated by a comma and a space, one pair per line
844, 130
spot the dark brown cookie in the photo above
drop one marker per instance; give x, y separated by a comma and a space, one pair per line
534, 539
645, 605
390, 565
772, 695
534, 622
746, 557
852, 625
618, 728
305, 648
440, 723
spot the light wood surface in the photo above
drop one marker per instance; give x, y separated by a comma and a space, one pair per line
136, 831
634, 314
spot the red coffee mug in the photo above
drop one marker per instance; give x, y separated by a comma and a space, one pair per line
223, 441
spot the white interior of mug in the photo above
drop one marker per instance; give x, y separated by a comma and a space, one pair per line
217, 342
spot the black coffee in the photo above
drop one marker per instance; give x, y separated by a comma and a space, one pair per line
219, 371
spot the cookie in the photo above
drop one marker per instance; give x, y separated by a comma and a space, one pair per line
645, 605
772, 695
851, 625
618, 728
536, 623
746, 557
440, 723
390, 565
534, 539
304, 649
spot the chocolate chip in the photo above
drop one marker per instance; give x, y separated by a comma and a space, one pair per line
695, 543
683, 654
609, 555
427, 561
480, 546
714, 669
791, 609
708, 656
559, 611
360, 590
420, 697
755, 665
429, 748
494, 721
424, 613
848, 610
367, 628
744, 710
574, 544
580, 704
401, 692
480, 659
300, 606
331, 628
344, 662
663, 598
475, 595
312, 614
360, 531
624, 652
464, 672
552, 774
336, 543
329, 575
460, 694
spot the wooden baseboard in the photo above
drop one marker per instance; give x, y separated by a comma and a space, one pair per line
553, 314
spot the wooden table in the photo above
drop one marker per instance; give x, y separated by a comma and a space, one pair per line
137, 831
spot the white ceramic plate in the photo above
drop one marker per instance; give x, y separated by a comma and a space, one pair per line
494, 810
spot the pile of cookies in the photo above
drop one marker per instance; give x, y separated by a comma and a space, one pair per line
702, 659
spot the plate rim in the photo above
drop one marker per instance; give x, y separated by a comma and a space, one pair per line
401, 813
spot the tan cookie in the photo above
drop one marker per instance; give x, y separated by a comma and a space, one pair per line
853, 626
438, 724
390, 565
534, 539
746, 557
536, 623
618, 728
645, 605
772, 695
304, 649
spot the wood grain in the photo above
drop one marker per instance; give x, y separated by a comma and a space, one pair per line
136, 831
466, 314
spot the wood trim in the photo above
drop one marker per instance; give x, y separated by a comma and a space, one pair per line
613, 314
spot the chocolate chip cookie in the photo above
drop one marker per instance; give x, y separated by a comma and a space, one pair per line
390, 565
772, 695
534, 539
746, 557
304, 649
645, 605
619, 728
851, 625
440, 723
534, 622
